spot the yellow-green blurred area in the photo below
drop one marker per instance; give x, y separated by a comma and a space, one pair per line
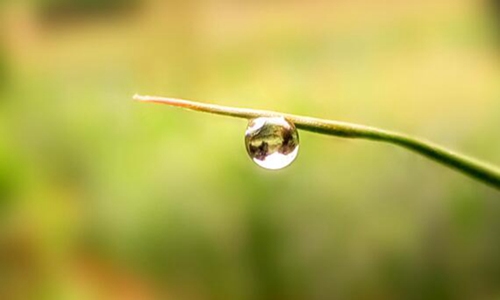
102, 197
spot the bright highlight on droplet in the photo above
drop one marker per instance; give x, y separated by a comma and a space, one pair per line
272, 143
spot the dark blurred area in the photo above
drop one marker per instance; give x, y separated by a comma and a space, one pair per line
60, 11
495, 16
105, 198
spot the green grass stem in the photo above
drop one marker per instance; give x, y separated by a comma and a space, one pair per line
469, 166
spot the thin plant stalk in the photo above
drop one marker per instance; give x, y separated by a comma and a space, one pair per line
478, 170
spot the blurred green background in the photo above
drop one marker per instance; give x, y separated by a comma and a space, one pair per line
105, 198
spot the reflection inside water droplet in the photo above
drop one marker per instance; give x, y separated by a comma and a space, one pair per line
272, 143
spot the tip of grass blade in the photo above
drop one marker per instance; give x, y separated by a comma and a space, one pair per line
138, 97
168, 101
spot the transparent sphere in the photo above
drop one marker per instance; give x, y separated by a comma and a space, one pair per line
272, 143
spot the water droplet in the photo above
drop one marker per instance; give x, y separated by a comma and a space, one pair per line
272, 143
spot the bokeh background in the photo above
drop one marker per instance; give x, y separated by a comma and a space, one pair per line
105, 198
